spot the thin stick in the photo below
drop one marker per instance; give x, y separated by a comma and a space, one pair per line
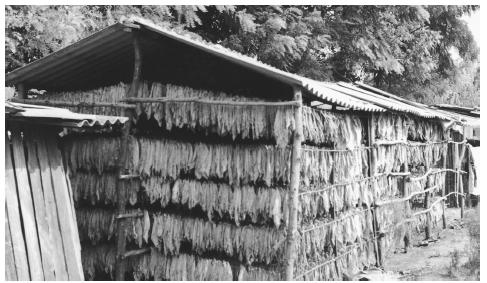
136, 252
443, 192
207, 101
406, 198
129, 215
342, 184
427, 204
72, 104
129, 176
333, 221
309, 148
408, 143
352, 248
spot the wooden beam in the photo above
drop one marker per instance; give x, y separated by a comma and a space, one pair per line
120, 265
460, 181
21, 91
406, 192
375, 224
291, 253
443, 189
72, 104
427, 205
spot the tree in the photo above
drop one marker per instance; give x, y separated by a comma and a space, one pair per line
403, 49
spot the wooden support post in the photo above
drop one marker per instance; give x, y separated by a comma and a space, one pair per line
460, 180
443, 191
375, 224
294, 188
427, 204
462, 196
21, 91
121, 237
455, 167
406, 192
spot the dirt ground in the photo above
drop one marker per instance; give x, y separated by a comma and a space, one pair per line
452, 257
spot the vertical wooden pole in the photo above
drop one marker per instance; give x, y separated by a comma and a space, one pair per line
427, 204
21, 91
455, 167
294, 187
443, 189
121, 201
406, 192
375, 224
460, 181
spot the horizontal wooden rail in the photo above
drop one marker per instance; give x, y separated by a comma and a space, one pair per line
342, 184
207, 101
351, 249
412, 218
129, 176
309, 148
382, 203
130, 215
431, 172
333, 221
436, 202
408, 143
135, 252
72, 104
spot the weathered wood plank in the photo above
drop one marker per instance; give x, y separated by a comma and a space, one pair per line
51, 212
73, 210
26, 208
13, 214
34, 171
66, 219
10, 271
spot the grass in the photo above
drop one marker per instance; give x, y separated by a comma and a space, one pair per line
473, 263
469, 268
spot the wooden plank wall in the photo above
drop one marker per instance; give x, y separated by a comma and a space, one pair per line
41, 239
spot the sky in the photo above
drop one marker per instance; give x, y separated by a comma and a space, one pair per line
473, 22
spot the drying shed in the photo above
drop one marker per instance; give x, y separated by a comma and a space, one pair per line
41, 235
467, 130
231, 169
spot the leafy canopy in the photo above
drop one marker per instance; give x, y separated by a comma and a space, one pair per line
426, 53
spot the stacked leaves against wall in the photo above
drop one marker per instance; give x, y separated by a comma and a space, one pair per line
216, 208
109, 94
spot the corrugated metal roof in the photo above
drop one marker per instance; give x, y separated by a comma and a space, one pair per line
342, 94
390, 101
11, 109
60, 117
